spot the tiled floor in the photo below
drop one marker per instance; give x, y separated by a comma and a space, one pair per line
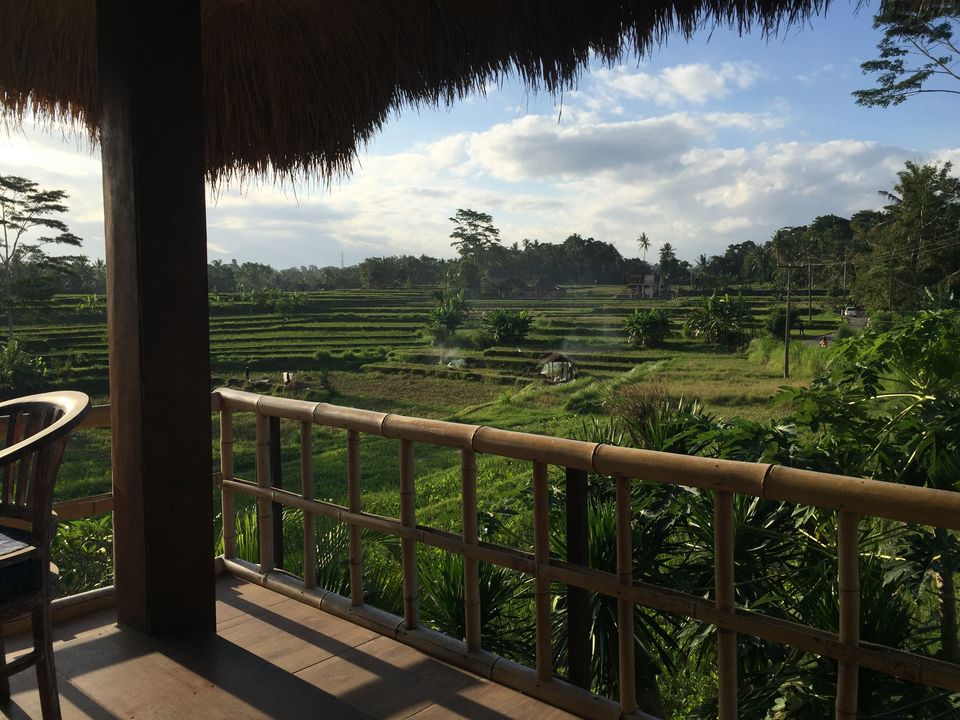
271, 658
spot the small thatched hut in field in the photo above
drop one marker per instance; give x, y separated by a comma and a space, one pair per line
558, 368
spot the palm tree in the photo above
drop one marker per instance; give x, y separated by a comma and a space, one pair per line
644, 242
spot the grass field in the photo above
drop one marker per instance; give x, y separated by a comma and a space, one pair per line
368, 349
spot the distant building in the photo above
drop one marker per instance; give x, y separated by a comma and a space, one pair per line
649, 286
545, 288
508, 287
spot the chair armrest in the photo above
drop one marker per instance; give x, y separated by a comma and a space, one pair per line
18, 555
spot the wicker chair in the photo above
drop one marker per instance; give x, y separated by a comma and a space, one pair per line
35, 430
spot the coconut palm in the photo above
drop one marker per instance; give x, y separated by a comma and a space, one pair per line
644, 242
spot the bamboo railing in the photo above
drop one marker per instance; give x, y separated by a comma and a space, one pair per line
851, 498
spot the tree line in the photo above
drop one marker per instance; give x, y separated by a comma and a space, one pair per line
903, 256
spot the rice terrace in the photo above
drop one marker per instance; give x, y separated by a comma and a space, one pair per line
480, 360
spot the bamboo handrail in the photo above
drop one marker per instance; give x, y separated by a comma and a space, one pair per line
851, 497
906, 503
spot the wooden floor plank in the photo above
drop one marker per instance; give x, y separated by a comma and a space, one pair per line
387, 679
272, 658
294, 636
491, 701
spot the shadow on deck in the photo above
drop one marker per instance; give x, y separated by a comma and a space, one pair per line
271, 658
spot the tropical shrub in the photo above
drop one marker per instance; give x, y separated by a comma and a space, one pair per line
506, 326
843, 331
446, 317
776, 322
83, 551
505, 624
647, 328
20, 372
719, 319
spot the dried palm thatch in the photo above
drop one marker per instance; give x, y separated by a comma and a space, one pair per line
293, 87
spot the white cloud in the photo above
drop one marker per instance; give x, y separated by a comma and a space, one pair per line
696, 83
668, 176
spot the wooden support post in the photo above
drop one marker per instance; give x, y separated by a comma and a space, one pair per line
408, 517
309, 519
541, 556
228, 512
848, 578
353, 504
151, 139
628, 683
725, 600
276, 481
578, 605
264, 506
471, 566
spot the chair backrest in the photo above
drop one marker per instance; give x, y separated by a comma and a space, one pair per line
34, 431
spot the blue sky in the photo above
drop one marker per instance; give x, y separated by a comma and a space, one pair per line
708, 142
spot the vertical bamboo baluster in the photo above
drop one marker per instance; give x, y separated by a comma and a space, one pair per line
228, 514
848, 562
578, 599
541, 556
471, 566
276, 481
309, 519
628, 690
408, 517
264, 506
725, 600
353, 503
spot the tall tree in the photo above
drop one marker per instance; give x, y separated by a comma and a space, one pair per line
669, 265
914, 245
918, 52
24, 207
644, 243
475, 237
474, 233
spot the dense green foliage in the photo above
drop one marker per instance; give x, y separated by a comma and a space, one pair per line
446, 317
718, 319
24, 208
647, 328
505, 327
776, 323
20, 372
918, 52
911, 247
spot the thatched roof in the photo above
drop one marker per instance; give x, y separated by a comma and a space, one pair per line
294, 86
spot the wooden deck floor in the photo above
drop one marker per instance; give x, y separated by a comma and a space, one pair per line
271, 658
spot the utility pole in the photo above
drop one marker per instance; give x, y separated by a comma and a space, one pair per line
786, 325
809, 292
